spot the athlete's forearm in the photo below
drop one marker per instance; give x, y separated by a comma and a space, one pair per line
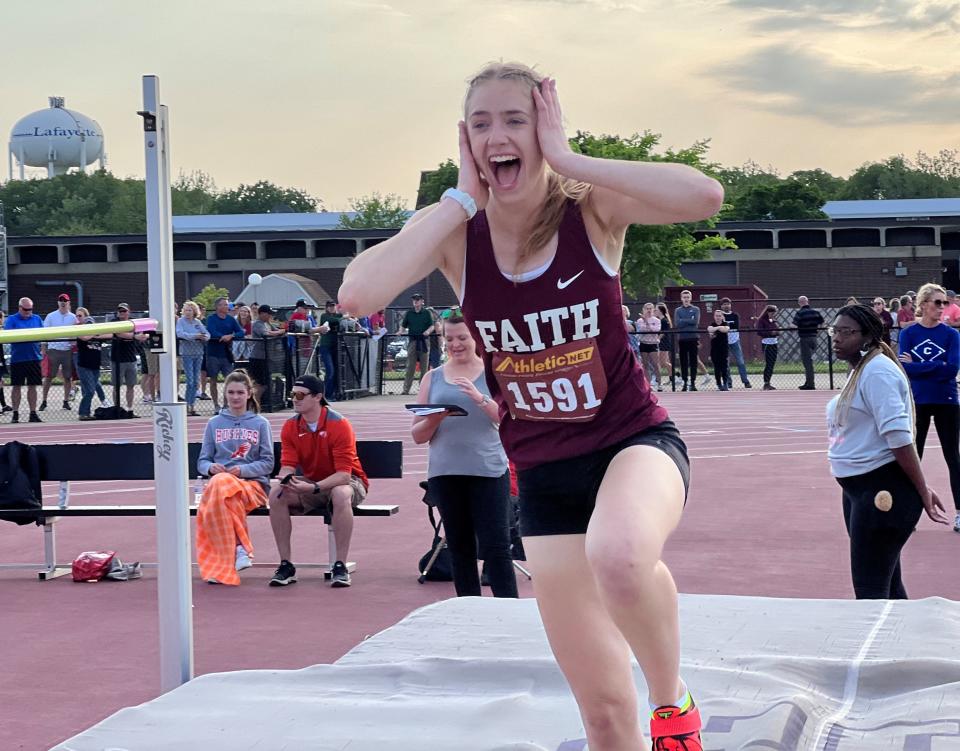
376, 276
665, 186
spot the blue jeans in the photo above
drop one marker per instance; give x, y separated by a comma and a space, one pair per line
736, 351
89, 385
329, 373
191, 369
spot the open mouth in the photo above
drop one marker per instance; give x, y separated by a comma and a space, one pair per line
505, 169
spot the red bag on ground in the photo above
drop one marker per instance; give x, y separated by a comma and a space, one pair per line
92, 566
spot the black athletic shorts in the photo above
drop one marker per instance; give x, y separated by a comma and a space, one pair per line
25, 373
558, 498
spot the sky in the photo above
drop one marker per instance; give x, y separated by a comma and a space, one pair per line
343, 98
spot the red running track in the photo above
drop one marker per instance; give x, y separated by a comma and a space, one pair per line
763, 519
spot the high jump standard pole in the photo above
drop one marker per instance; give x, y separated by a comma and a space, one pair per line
174, 592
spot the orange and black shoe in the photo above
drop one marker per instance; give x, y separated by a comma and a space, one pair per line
676, 728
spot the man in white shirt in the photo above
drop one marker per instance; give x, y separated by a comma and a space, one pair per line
59, 354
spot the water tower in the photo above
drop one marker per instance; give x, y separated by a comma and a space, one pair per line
55, 138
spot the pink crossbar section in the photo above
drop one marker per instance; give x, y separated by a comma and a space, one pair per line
141, 325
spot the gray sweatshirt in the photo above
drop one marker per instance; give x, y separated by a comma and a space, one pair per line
244, 442
187, 331
686, 321
878, 421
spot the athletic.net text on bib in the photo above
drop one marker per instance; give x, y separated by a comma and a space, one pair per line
565, 383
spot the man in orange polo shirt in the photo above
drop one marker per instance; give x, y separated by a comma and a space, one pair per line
319, 469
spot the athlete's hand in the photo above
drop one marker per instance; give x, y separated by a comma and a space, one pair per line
933, 507
470, 180
467, 387
553, 141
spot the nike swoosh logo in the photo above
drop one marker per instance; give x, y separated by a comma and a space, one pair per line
564, 284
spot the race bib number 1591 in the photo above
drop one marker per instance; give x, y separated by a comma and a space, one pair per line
565, 383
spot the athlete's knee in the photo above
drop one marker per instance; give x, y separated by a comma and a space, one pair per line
623, 570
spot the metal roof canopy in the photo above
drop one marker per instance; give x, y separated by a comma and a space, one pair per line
279, 222
907, 208
283, 290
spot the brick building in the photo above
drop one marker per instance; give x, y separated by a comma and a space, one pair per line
865, 248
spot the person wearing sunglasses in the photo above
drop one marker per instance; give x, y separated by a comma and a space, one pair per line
319, 470
25, 360
930, 353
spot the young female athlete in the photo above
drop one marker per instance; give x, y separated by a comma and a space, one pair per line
531, 241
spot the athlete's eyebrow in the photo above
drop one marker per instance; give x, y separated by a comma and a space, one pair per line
506, 113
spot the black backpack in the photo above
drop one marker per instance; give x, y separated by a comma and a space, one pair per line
19, 479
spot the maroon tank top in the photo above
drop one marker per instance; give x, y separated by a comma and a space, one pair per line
555, 350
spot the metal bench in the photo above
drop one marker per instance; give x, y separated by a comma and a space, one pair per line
86, 462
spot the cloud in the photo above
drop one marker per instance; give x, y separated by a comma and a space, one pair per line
930, 16
798, 81
604, 5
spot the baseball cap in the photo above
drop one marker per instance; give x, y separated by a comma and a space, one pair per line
416, 296
64, 297
301, 303
312, 384
328, 303
951, 293
265, 309
123, 306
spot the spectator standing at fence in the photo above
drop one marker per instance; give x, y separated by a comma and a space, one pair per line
666, 341
4, 372
631, 329
59, 353
719, 349
416, 324
768, 331
807, 321
25, 360
950, 314
89, 362
149, 372
467, 468
732, 320
241, 347
686, 322
192, 335
223, 329
907, 315
648, 329
880, 308
263, 334
123, 358
872, 455
237, 455
378, 323
321, 444
330, 322
930, 353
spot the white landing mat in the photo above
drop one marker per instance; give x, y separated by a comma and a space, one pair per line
476, 674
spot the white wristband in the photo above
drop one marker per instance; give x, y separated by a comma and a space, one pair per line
464, 199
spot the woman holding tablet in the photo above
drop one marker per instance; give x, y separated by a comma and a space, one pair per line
468, 475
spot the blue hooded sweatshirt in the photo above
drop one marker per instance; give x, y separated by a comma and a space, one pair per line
245, 441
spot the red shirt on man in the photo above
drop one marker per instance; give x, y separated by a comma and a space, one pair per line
331, 448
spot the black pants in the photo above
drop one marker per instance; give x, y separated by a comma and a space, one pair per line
688, 359
770, 359
476, 510
721, 368
946, 418
877, 537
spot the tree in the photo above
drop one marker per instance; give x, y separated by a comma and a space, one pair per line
434, 182
787, 199
829, 186
193, 193
375, 212
263, 197
652, 255
208, 296
898, 177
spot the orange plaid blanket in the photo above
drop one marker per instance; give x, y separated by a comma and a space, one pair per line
222, 524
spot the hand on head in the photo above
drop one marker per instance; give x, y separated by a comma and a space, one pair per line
470, 181
553, 140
